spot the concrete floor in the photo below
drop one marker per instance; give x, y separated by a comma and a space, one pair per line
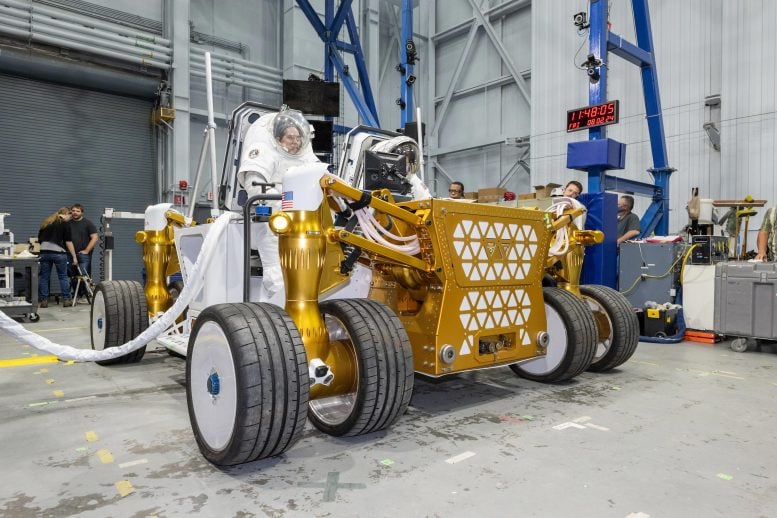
680, 430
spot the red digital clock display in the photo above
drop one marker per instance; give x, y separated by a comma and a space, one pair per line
592, 116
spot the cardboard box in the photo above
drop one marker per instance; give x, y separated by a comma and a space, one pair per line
543, 191
471, 195
541, 203
508, 203
527, 196
491, 194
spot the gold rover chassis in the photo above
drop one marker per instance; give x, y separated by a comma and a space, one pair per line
471, 298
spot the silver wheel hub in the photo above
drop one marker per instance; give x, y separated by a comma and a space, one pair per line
213, 386
335, 409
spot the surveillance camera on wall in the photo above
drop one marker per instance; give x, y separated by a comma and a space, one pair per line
581, 20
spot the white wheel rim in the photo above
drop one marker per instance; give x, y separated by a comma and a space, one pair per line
335, 410
603, 344
215, 406
98, 321
557, 346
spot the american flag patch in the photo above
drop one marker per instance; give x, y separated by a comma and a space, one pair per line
287, 200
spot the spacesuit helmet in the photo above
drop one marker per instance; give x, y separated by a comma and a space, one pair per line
291, 131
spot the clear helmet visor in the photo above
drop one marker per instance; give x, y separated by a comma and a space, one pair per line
291, 132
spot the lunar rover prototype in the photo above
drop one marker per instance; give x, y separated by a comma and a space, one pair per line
376, 290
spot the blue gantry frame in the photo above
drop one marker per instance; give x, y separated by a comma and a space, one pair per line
602, 40
406, 68
329, 32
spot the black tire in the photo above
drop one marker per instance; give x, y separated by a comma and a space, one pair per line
255, 407
119, 313
572, 344
617, 327
384, 359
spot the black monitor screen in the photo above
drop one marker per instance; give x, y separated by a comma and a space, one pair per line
322, 141
385, 171
312, 97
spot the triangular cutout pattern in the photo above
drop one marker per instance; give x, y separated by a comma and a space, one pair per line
464, 317
465, 346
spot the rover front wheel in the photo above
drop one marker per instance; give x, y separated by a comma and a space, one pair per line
383, 357
246, 382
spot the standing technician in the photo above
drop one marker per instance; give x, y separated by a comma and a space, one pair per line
84, 235
55, 246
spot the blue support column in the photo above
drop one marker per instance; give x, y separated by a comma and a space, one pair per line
602, 41
329, 32
329, 12
661, 170
597, 91
600, 263
406, 88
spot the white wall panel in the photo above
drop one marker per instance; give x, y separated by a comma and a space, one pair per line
470, 144
749, 128
687, 38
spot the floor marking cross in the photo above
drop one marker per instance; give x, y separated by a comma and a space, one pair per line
331, 485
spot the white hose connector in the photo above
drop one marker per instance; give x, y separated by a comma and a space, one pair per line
368, 224
560, 244
66, 352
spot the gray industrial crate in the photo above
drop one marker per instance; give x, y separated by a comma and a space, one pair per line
745, 302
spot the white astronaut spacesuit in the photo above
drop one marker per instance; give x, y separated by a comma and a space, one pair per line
265, 158
273, 144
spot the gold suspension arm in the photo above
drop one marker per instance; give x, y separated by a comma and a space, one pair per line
160, 260
385, 207
566, 269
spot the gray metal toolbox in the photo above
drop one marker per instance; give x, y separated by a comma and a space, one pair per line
746, 299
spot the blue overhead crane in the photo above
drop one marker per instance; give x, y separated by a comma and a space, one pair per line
329, 32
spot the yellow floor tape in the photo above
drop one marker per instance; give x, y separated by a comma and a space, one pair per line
124, 488
105, 456
17, 362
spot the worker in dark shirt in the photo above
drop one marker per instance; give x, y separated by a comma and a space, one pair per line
55, 246
628, 222
84, 235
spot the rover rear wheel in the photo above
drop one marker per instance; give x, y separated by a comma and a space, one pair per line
617, 327
572, 345
246, 382
384, 368
119, 313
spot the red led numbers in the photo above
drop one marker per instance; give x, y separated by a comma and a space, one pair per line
592, 116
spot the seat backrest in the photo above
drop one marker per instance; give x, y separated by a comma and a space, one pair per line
231, 196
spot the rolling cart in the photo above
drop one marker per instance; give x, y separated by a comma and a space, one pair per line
745, 305
26, 306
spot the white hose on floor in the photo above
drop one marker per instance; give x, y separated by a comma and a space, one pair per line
66, 352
